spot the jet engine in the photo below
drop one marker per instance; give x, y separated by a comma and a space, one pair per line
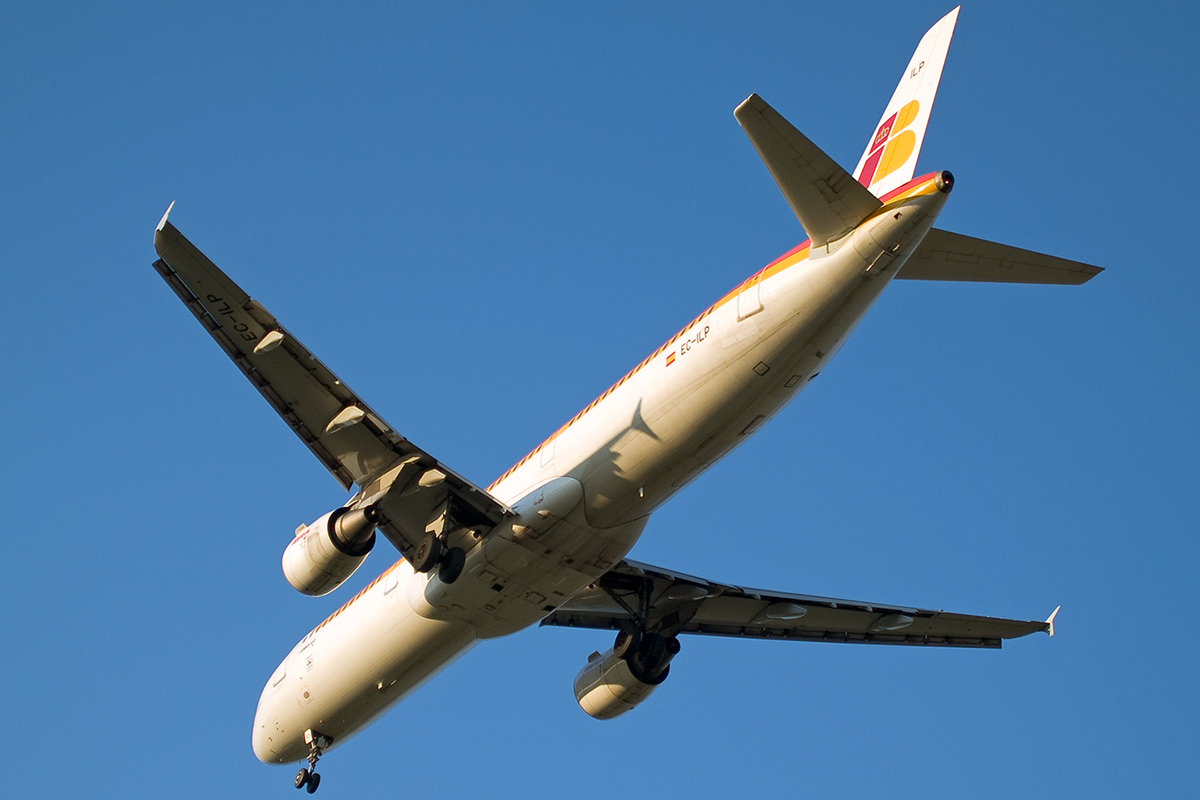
625, 675
327, 552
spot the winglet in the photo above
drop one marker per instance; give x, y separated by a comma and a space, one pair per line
162, 222
1050, 621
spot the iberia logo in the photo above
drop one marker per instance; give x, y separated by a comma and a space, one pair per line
670, 358
892, 146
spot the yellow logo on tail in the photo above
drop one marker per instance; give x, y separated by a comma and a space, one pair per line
892, 146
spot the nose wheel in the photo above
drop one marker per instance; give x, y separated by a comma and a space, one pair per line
307, 778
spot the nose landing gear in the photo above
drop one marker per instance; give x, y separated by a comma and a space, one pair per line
307, 778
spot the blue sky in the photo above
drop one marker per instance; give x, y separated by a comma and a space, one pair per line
480, 219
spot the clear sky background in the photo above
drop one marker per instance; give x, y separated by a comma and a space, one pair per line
480, 219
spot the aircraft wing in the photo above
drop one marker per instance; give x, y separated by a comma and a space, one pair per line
674, 603
946, 256
342, 431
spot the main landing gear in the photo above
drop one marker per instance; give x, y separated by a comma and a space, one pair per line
647, 654
307, 778
432, 553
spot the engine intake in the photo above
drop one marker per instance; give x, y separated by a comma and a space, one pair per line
327, 552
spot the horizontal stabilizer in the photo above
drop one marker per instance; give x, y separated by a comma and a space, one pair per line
945, 256
825, 198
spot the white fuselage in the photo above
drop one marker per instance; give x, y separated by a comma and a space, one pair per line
583, 497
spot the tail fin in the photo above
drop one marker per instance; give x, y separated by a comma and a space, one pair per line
891, 155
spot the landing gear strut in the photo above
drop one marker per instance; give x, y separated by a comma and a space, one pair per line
307, 778
648, 653
432, 553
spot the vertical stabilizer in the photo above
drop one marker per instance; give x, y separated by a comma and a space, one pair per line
891, 155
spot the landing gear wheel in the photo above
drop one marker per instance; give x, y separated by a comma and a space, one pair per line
428, 554
452, 564
651, 655
629, 639
651, 661
307, 778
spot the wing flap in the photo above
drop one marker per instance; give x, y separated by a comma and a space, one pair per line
825, 198
946, 256
681, 603
352, 441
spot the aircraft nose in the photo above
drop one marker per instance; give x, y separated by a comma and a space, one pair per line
261, 748
269, 738
261, 739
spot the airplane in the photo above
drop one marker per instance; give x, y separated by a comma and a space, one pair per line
546, 542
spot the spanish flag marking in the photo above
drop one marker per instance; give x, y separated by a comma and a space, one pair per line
670, 358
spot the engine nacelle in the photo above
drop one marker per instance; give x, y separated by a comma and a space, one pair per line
611, 684
324, 554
